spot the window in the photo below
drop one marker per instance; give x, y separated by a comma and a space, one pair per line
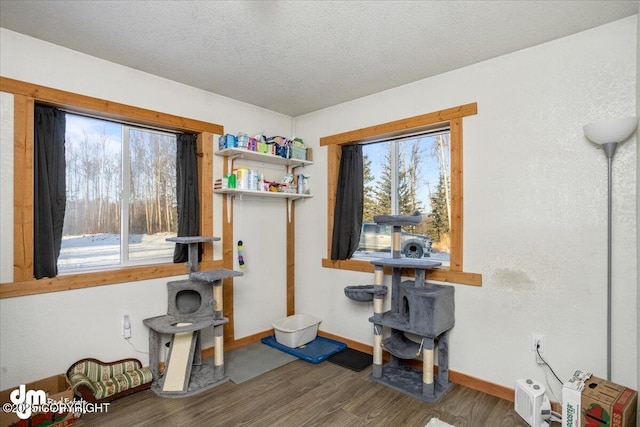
121, 195
25, 95
401, 176
450, 119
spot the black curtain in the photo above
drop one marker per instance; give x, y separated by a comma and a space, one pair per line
347, 218
187, 194
49, 189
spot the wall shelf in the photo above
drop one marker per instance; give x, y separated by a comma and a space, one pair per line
231, 195
234, 192
239, 153
265, 194
232, 154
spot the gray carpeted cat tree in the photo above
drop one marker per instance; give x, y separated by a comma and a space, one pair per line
420, 319
194, 305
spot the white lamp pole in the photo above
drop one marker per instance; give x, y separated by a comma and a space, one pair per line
608, 134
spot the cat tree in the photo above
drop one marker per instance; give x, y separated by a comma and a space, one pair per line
194, 305
419, 320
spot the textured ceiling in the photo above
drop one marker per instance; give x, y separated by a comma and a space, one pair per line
295, 57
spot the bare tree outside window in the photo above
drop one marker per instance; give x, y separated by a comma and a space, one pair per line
121, 195
152, 192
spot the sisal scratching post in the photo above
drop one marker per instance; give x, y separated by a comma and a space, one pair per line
217, 298
397, 239
396, 273
377, 352
427, 368
377, 335
218, 334
378, 275
377, 305
218, 352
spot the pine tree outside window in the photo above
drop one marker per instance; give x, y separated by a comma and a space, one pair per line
448, 194
401, 176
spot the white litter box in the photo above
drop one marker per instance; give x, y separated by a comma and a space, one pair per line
296, 330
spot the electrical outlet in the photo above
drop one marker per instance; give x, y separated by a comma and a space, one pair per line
126, 327
537, 341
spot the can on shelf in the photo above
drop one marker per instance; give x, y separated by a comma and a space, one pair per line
252, 182
242, 182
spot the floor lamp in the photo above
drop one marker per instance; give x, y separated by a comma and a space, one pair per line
608, 134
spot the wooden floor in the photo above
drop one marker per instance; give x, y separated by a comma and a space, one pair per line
305, 394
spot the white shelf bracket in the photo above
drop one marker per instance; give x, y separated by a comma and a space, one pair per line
230, 160
230, 200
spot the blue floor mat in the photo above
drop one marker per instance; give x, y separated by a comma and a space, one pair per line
315, 352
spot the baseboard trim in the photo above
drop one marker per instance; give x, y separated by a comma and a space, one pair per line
465, 380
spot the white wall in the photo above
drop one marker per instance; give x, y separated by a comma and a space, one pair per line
535, 210
43, 335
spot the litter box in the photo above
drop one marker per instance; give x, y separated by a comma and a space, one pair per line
296, 330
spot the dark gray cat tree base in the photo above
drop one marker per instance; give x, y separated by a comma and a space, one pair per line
409, 381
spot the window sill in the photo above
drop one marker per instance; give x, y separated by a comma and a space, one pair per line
98, 278
442, 274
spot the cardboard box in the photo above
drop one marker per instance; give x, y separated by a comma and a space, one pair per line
57, 389
589, 401
571, 399
606, 404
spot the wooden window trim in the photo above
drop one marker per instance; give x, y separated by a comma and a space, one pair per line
25, 97
451, 117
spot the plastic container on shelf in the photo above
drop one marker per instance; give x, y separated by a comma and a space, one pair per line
298, 153
252, 183
243, 141
242, 180
227, 141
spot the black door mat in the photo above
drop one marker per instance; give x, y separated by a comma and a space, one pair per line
352, 359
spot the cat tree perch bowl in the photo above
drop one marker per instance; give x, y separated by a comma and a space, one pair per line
364, 293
